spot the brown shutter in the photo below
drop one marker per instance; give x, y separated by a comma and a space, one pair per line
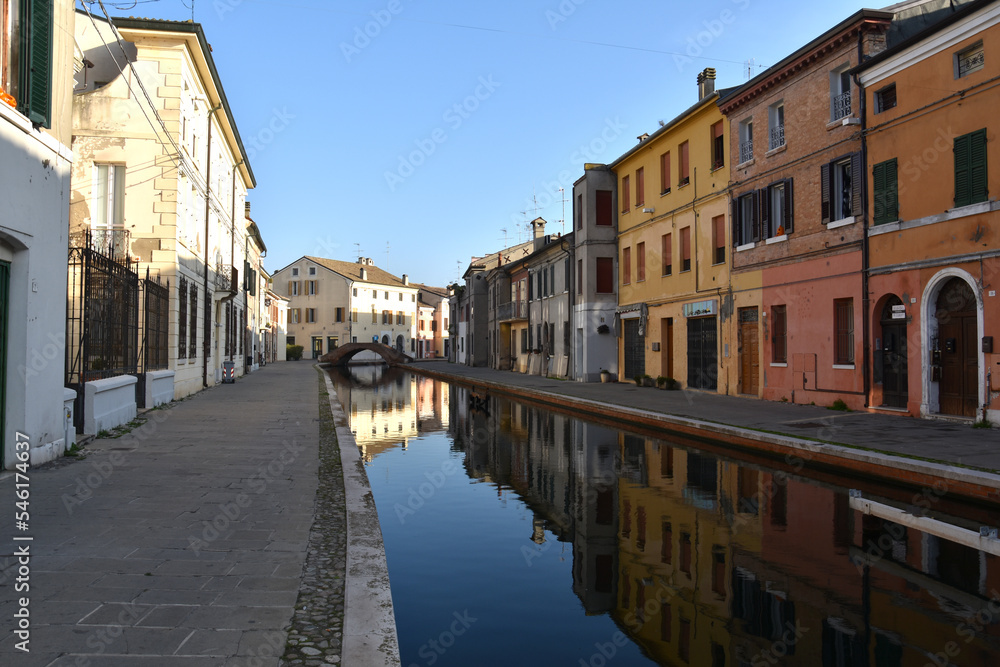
857, 181
764, 206
824, 180
789, 218
289, 288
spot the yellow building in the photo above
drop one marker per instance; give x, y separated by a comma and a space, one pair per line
673, 249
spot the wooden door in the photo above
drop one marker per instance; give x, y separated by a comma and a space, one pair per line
749, 351
894, 350
957, 340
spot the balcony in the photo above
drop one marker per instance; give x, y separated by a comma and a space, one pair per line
841, 106
746, 151
227, 278
777, 137
513, 310
112, 243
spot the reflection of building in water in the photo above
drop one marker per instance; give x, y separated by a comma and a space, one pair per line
433, 407
381, 403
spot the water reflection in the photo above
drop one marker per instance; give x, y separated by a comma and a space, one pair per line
697, 559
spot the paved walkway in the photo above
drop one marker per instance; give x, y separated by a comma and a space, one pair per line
181, 543
948, 442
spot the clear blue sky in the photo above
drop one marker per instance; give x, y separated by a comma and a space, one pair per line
429, 126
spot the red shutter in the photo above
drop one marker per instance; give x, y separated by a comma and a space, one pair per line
665, 172
824, 179
640, 187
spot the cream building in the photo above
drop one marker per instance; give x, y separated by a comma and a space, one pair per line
159, 164
333, 302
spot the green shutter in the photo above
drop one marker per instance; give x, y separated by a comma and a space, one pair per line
36, 63
977, 166
963, 190
886, 192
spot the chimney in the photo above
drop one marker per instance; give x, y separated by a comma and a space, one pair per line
538, 225
706, 82
246, 207
364, 273
406, 279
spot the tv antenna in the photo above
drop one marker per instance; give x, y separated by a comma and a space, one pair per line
562, 195
357, 247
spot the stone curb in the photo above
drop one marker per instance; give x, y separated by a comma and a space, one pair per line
369, 622
972, 484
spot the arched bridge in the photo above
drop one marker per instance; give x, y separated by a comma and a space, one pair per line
344, 353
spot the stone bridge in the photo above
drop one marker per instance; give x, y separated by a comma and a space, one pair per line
344, 353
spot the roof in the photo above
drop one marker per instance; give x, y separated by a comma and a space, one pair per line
134, 25
682, 116
352, 271
804, 56
931, 22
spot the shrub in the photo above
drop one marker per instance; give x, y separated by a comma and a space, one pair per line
638, 378
839, 405
661, 380
293, 352
673, 384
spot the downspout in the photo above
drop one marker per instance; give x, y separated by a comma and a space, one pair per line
232, 232
865, 299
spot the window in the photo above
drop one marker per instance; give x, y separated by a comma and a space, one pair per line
310, 315
746, 140
387, 295
840, 198
625, 194
840, 93
970, 168
354, 314
776, 125
885, 98
26, 57
686, 249
718, 146
290, 340
640, 262
311, 287
293, 288
779, 335
746, 228
339, 316
400, 296
182, 317
776, 209
312, 270
665, 173
685, 176
400, 317
605, 272
579, 276
969, 60
293, 315
434, 325
719, 238
374, 315
295, 272
640, 187
886, 192
605, 208
578, 213
193, 328
843, 332
355, 291
386, 317
667, 249
626, 266
109, 196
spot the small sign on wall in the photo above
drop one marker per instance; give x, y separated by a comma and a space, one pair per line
899, 312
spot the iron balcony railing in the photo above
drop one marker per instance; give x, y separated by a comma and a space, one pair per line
513, 310
777, 137
842, 105
227, 278
115, 244
746, 151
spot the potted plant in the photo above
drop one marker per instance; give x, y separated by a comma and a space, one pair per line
673, 384
661, 382
647, 380
605, 375
638, 379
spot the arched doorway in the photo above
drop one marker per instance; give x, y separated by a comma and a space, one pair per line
956, 353
893, 352
385, 339
399, 343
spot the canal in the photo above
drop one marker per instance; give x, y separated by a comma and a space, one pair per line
516, 535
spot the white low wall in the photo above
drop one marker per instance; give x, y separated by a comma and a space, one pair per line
50, 451
159, 388
108, 403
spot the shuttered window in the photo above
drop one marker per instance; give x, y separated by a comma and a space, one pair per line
719, 238
625, 194
626, 266
970, 168
34, 78
193, 305
605, 208
665, 173
886, 192
840, 188
686, 249
640, 261
685, 176
605, 275
779, 335
666, 242
640, 186
843, 323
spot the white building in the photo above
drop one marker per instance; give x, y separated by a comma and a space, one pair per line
35, 163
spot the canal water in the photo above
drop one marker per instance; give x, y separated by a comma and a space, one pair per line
516, 535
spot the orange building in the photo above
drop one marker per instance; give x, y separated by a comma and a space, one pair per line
934, 248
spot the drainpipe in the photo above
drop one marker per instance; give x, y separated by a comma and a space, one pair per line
865, 299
